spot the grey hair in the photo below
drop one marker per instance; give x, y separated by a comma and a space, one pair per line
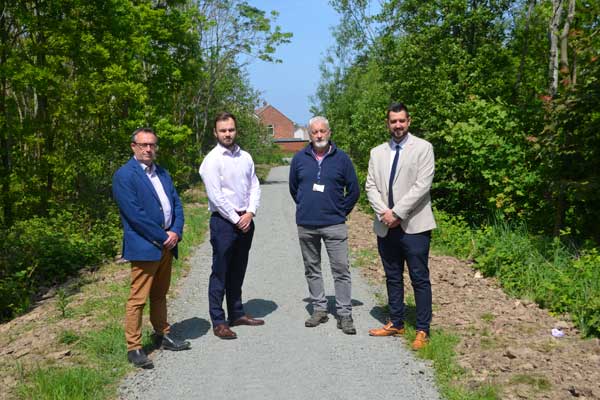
316, 119
143, 129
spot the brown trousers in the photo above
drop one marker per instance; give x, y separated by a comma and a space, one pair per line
148, 279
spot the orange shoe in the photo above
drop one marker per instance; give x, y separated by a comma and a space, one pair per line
387, 330
420, 341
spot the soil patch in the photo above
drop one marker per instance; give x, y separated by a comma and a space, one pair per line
503, 340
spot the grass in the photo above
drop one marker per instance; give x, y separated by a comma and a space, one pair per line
545, 270
535, 381
363, 257
99, 352
75, 383
68, 337
447, 371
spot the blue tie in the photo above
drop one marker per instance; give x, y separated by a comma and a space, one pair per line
392, 174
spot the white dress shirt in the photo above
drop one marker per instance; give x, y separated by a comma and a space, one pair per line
393, 145
230, 181
160, 191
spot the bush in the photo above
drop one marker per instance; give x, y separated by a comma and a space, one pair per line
40, 252
453, 235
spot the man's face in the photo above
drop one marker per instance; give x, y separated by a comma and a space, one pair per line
225, 133
398, 123
319, 135
144, 147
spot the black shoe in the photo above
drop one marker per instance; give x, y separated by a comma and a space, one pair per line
139, 359
168, 342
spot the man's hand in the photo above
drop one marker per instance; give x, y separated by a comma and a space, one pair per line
244, 222
389, 219
171, 240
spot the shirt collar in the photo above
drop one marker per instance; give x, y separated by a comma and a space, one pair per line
224, 150
144, 166
314, 153
402, 143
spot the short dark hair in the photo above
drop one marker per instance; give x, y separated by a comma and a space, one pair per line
145, 130
397, 107
224, 116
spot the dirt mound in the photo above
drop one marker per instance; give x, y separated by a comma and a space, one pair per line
503, 340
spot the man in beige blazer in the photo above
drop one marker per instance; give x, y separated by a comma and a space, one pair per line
398, 183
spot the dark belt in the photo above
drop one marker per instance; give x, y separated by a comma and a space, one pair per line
240, 213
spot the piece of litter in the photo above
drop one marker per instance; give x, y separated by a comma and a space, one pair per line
557, 332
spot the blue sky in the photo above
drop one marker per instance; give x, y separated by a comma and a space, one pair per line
288, 85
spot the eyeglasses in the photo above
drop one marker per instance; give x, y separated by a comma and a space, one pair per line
315, 131
152, 146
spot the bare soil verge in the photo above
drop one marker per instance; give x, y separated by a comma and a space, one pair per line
503, 340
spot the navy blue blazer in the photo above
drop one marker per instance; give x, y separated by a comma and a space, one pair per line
141, 213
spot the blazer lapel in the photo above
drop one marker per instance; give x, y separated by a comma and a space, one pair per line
387, 166
144, 178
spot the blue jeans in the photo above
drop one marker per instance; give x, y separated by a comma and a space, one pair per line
394, 249
230, 258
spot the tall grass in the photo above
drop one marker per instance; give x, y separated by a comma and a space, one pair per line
541, 269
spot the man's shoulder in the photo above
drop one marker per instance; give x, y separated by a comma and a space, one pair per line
379, 148
125, 169
419, 141
341, 154
210, 157
300, 154
160, 170
246, 155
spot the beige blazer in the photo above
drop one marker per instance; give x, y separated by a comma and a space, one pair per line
414, 175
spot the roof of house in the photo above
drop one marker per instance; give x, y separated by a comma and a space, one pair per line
260, 110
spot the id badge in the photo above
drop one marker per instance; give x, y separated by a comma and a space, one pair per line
318, 188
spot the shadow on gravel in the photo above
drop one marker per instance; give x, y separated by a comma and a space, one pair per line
381, 314
330, 304
191, 328
260, 308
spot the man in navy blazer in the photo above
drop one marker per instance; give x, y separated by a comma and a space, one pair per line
152, 217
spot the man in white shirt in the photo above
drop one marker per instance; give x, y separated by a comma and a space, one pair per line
233, 197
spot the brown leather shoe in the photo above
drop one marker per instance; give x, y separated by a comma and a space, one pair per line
387, 330
223, 331
247, 320
420, 341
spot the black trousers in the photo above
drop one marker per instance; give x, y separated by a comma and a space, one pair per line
230, 258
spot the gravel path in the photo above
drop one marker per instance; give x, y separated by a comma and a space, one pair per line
282, 359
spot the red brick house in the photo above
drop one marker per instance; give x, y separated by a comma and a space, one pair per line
288, 136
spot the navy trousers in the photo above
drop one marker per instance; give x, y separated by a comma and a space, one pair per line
394, 249
230, 258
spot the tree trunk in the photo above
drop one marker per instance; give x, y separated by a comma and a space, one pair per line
525, 48
553, 36
564, 41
